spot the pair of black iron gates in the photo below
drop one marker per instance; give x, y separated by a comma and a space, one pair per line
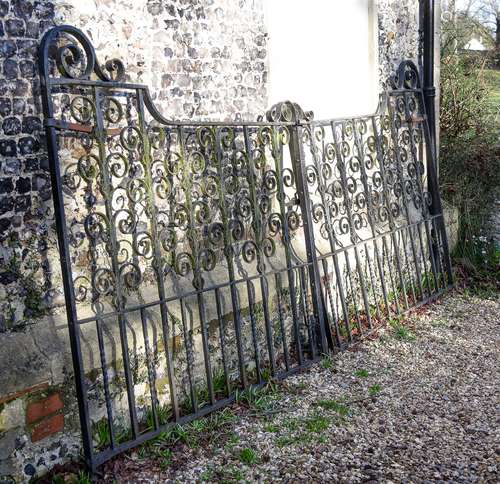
199, 259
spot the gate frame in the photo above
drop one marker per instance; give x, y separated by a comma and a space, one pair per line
296, 122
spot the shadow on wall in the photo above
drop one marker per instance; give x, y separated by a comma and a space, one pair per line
197, 70
26, 216
36, 393
200, 59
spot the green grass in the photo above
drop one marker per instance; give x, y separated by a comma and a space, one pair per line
362, 373
400, 330
492, 77
193, 434
317, 424
286, 440
101, 433
374, 389
207, 475
165, 458
335, 406
308, 429
327, 361
248, 456
259, 399
291, 423
232, 441
271, 428
225, 473
164, 414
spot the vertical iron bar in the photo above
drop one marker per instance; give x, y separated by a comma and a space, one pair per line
330, 229
112, 249
399, 169
305, 311
151, 375
372, 279
269, 332
328, 289
395, 291
222, 339
354, 292
197, 277
105, 380
348, 205
157, 263
228, 253
299, 167
277, 153
251, 307
386, 193
428, 94
65, 255
277, 277
258, 236
370, 211
189, 356
419, 174
436, 208
429, 90
401, 232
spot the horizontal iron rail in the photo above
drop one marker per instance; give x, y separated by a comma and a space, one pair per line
192, 293
323, 255
104, 456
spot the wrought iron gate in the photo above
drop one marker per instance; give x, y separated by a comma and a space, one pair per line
202, 258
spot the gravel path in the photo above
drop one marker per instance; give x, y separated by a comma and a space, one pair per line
418, 404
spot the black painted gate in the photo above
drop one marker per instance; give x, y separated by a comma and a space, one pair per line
202, 258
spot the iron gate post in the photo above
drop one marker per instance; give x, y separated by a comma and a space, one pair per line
292, 112
298, 159
63, 242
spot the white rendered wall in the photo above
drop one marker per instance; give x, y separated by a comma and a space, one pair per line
323, 54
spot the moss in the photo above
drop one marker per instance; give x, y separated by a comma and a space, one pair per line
2, 419
162, 385
92, 375
24, 264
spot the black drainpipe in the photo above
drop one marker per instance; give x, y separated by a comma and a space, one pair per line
426, 28
427, 12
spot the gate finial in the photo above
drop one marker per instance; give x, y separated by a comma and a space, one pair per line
69, 57
406, 77
288, 112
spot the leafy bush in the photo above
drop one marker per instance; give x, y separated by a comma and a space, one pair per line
470, 161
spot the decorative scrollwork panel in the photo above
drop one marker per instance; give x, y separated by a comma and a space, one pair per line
201, 258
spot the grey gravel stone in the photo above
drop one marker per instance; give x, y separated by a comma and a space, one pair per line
435, 417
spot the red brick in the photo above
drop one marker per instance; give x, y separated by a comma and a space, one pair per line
38, 410
47, 428
13, 396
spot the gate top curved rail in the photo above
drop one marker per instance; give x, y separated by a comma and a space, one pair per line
203, 257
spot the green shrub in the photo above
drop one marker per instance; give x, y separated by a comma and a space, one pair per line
470, 161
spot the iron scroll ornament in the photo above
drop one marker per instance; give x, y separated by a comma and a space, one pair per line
70, 55
228, 251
